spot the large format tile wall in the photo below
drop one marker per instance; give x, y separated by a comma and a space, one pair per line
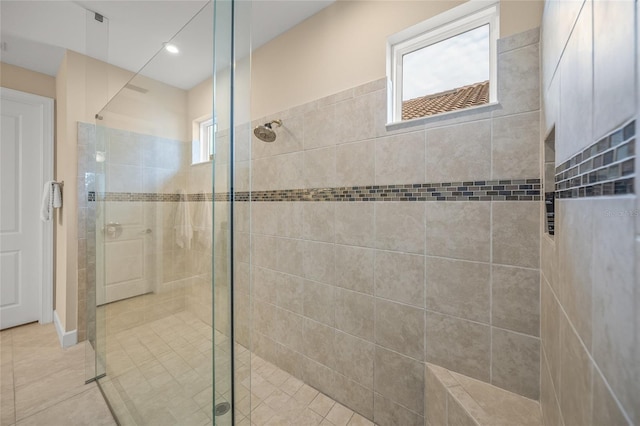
136, 170
354, 296
590, 373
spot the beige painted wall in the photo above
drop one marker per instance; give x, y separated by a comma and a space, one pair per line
199, 103
162, 111
340, 47
28, 81
344, 45
83, 86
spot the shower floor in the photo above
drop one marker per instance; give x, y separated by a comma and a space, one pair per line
161, 373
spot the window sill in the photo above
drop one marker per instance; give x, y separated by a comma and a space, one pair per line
399, 125
202, 163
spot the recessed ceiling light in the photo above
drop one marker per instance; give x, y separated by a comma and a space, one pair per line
171, 48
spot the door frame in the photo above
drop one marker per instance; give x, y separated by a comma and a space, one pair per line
46, 174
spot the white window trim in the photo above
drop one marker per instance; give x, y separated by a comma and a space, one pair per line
470, 15
198, 144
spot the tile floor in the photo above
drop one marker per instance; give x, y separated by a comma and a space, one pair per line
158, 374
43, 384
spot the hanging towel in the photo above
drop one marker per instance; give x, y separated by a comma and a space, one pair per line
51, 198
182, 224
203, 222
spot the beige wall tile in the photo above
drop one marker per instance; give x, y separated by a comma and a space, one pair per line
459, 153
575, 128
319, 302
355, 313
354, 358
515, 147
290, 361
355, 224
459, 230
400, 379
457, 415
459, 288
613, 64
400, 277
319, 343
355, 268
400, 226
516, 234
361, 154
575, 263
400, 159
548, 399
319, 261
519, 40
264, 318
615, 302
516, 299
265, 284
400, 328
290, 218
355, 118
575, 377
317, 133
289, 256
458, 345
550, 331
605, 410
290, 293
516, 363
318, 222
289, 329
318, 376
264, 218
319, 168
435, 405
264, 251
518, 81
354, 395
388, 413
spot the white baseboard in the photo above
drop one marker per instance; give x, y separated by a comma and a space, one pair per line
67, 338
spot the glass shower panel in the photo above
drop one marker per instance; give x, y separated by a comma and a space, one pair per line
90, 182
165, 274
240, 176
232, 362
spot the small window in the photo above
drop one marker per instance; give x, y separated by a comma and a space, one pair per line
202, 145
444, 64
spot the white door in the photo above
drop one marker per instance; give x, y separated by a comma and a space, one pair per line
126, 240
26, 140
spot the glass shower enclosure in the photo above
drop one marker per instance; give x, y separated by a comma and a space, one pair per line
168, 325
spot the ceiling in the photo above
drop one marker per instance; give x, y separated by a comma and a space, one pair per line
35, 34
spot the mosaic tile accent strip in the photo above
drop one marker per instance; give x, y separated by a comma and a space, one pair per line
492, 190
495, 190
605, 168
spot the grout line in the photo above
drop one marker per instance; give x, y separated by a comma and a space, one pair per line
491, 288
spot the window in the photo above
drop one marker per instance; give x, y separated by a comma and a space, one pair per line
444, 64
202, 146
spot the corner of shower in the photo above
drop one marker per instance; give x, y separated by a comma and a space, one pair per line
168, 300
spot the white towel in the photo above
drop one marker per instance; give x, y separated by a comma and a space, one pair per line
51, 198
203, 222
182, 223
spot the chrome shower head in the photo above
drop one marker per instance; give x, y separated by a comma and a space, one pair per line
265, 132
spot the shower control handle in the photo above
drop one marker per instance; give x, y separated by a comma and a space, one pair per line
146, 231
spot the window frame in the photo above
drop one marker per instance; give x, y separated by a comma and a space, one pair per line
466, 17
203, 144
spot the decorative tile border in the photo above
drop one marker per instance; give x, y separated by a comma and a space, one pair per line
605, 168
495, 190
492, 190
